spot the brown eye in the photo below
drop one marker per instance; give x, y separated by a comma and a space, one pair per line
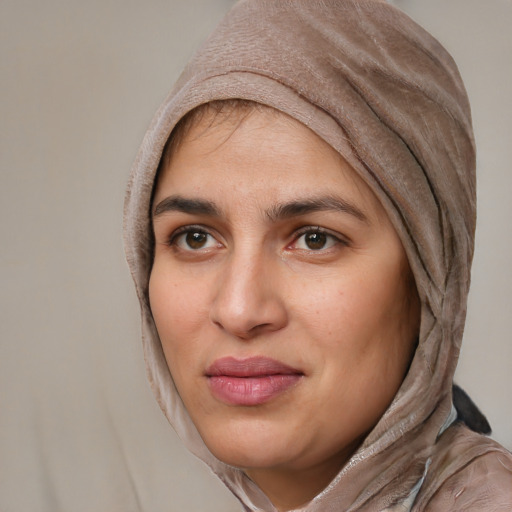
315, 241
196, 239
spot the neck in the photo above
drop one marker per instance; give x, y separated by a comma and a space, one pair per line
289, 489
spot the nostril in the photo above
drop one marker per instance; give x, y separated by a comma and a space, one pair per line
242, 333
250, 319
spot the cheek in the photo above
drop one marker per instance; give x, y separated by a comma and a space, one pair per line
177, 310
163, 300
360, 316
347, 302
178, 314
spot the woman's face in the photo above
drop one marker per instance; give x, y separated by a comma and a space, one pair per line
281, 294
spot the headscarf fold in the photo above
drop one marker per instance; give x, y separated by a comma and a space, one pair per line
389, 98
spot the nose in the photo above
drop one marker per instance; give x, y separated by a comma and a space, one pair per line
249, 301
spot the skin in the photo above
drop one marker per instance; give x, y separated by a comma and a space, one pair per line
327, 292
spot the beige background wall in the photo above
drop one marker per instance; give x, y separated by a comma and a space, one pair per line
79, 429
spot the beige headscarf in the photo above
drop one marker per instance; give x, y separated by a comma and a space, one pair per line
389, 98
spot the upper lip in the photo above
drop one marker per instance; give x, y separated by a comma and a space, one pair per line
257, 366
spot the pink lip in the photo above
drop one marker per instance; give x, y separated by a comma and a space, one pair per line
251, 381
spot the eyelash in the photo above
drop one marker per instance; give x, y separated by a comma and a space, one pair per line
184, 230
309, 230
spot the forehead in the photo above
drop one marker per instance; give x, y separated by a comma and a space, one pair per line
253, 148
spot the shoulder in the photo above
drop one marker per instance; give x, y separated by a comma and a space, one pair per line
484, 484
469, 472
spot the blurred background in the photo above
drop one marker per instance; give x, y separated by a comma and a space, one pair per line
79, 428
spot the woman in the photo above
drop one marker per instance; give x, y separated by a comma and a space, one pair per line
302, 259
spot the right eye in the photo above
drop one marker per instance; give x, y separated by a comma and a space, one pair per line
193, 239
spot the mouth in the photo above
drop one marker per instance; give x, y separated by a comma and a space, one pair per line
250, 382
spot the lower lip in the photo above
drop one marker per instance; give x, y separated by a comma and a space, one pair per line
250, 391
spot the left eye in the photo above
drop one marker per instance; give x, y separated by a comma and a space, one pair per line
315, 241
194, 240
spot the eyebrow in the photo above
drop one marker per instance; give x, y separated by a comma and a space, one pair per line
185, 205
277, 212
319, 204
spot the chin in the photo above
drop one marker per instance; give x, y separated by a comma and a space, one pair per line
250, 444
